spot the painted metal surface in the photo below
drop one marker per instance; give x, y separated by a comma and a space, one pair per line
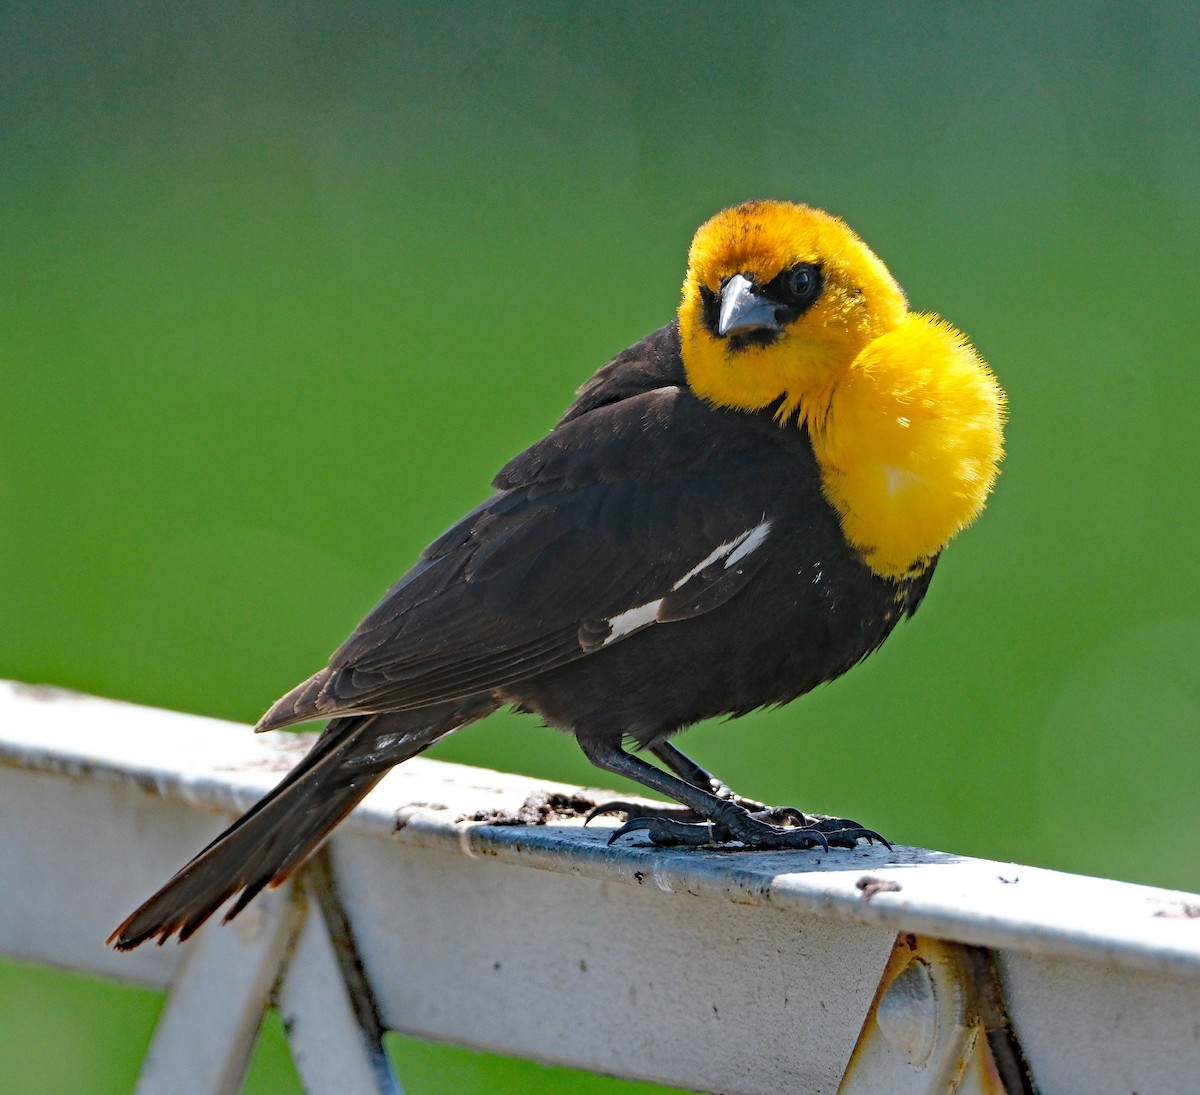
938, 1026
714, 970
327, 1006
208, 1027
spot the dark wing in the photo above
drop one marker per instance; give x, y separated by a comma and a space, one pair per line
640, 511
654, 362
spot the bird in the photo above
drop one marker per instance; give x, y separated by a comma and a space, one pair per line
738, 508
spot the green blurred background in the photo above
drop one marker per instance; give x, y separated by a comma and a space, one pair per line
283, 285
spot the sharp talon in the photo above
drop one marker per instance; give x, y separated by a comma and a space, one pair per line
666, 832
606, 808
844, 833
631, 826
821, 838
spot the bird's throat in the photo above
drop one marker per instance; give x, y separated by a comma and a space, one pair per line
909, 442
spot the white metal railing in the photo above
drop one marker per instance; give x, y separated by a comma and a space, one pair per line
864, 971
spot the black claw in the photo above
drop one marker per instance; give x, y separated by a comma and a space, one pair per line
844, 833
629, 809
666, 832
871, 837
807, 837
629, 827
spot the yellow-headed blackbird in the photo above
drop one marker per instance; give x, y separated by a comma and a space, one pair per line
737, 508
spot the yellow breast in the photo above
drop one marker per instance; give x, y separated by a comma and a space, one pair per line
909, 440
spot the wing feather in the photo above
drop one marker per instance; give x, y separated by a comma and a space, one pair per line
608, 512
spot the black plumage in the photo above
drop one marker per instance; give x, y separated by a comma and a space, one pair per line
653, 561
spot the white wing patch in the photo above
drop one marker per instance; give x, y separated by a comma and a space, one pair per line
732, 552
632, 619
748, 542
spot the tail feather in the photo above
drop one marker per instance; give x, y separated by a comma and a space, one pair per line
301, 704
277, 835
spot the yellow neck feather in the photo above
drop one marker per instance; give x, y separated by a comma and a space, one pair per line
909, 439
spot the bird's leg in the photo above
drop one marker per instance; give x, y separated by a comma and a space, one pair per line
688, 770
721, 820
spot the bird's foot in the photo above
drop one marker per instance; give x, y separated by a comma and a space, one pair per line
766, 828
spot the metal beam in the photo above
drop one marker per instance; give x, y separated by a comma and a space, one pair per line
714, 970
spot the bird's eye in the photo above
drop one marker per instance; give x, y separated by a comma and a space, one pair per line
800, 284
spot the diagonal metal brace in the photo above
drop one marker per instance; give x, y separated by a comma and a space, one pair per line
938, 1026
326, 1002
293, 946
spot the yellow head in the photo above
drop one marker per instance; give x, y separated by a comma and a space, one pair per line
784, 303
779, 299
